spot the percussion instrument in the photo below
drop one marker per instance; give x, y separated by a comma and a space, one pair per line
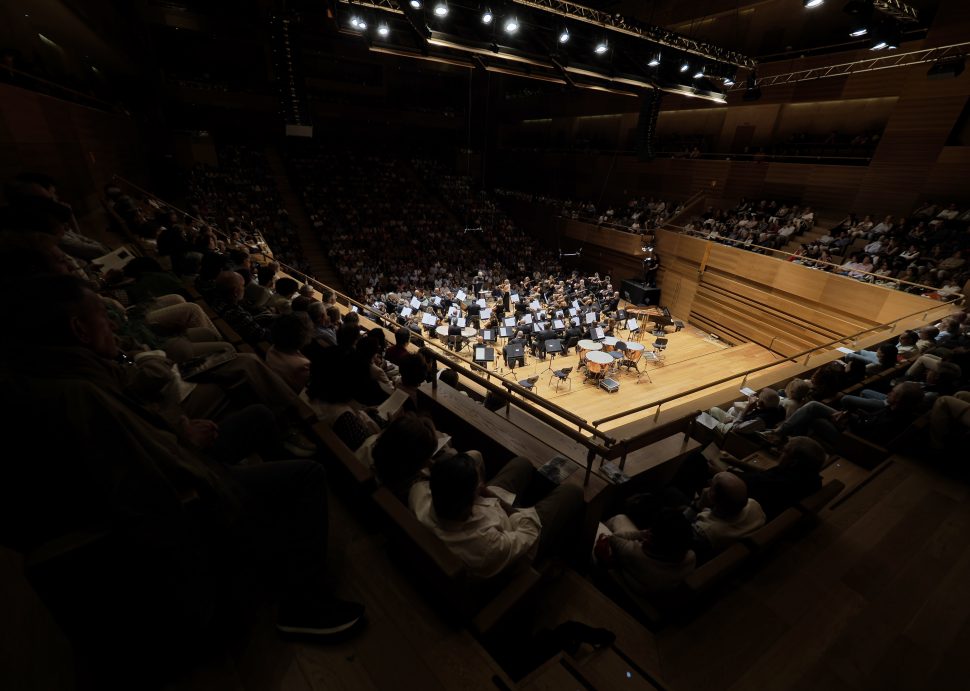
469, 331
442, 331
586, 346
597, 364
634, 351
609, 343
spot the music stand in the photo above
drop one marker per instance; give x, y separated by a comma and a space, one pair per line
484, 355
659, 322
488, 335
515, 353
506, 331
552, 347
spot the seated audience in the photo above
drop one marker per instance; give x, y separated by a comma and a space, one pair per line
488, 534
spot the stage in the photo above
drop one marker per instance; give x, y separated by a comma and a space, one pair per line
692, 358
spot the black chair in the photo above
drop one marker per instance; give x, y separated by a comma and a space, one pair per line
561, 375
529, 383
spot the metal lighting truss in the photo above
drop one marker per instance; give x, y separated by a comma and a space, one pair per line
654, 34
897, 10
882, 62
612, 22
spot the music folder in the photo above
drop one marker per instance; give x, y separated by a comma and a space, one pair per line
514, 297
591, 317
460, 295
506, 331
553, 345
407, 312
415, 303
485, 313
460, 322
558, 324
537, 327
598, 334
484, 354
516, 350
527, 318
632, 324
510, 321
488, 335
429, 319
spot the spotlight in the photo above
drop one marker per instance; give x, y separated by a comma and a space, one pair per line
729, 81
655, 60
487, 16
809, 4
685, 66
416, 4
860, 30
441, 9
699, 73
355, 22
361, 24
601, 47
878, 44
383, 30
564, 36
511, 25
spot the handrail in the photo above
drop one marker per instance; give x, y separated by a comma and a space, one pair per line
747, 373
468, 368
705, 236
104, 105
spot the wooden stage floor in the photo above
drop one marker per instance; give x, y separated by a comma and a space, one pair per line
692, 359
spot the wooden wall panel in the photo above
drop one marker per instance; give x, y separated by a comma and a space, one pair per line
792, 280
80, 147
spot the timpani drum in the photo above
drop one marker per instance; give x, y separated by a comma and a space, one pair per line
609, 343
634, 351
586, 347
598, 364
469, 332
442, 331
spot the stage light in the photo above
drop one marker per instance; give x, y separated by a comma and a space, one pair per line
809, 4
878, 44
699, 73
860, 30
487, 16
729, 81
564, 36
383, 30
601, 47
685, 66
655, 60
416, 4
511, 25
358, 23
441, 9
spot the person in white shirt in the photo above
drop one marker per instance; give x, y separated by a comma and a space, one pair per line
486, 532
728, 514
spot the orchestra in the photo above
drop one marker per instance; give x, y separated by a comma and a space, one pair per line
523, 315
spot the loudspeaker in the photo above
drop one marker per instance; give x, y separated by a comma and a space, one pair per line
647, 125
947, 69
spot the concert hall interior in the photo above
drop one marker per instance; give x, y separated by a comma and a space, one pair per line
485, 345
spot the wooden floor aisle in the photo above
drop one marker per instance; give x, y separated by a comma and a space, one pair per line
874, 597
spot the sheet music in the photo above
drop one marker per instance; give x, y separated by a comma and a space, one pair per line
513, 298
481, 303
486, 313
591, 317
415, 303
527, 319
461, 322
558, 324
429, 319
407, 312
460, 295
632, 324
510, 321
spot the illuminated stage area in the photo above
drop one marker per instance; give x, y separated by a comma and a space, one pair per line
691, 359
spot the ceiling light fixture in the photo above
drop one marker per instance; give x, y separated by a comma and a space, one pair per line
564, 36
601, 47
511, 25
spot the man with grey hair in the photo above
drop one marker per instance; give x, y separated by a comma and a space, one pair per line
727, 514
759, 412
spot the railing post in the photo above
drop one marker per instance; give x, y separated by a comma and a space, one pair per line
589, 466
626, 450
772, 343
806, 359
657, 415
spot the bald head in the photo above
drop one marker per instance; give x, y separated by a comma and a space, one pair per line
729, 494
230, 285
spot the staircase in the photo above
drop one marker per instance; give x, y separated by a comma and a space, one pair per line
322, 269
